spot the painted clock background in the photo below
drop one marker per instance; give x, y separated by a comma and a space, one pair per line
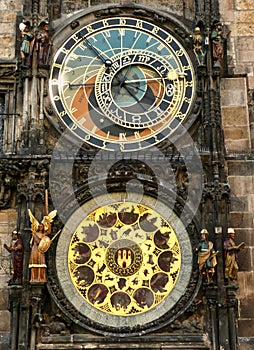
122, 84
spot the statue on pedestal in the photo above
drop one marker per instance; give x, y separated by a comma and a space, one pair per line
40, 243
231, 250
17, 251
206, 257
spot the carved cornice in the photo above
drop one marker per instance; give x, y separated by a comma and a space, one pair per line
216, 190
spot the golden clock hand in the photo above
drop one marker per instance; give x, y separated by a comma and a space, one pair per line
106, 61
172, 75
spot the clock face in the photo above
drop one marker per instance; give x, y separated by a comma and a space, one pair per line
124, 259
122, 84
123, 265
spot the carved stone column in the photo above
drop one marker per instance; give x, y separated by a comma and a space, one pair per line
15, 293
232, 305
211, 295
37, 292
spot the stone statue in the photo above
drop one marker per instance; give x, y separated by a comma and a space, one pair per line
40, 243
198, 46
26, 49
218, 43
43, 41
206, 256
17, 251
231, 250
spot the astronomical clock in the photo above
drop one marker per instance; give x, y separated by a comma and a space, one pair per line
122, 83
124, 263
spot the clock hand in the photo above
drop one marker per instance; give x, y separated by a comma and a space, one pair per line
71, 86
106, 61
172, 75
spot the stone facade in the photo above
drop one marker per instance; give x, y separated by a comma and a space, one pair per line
236, 103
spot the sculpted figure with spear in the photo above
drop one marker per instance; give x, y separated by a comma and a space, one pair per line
40, 243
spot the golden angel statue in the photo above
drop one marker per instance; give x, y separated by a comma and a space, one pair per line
40, 243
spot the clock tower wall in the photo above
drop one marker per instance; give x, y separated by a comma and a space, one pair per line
220, 125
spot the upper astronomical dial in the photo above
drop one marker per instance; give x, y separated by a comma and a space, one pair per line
122, 83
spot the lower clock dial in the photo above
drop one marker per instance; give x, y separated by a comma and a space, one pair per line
124, 259
124, 265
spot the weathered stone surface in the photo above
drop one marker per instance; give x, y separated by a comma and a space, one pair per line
246, 328
241, 185
235, 116
241, 219
244, 5
245, 258
237, 146
239, 203
233, 92
236, 133
4, 320
3, 298
246, 280
241, 168
244, 16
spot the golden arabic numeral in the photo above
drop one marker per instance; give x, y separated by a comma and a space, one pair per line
168, 40
139, 24
155, 30
66, 51
136, 119
74, 126
188, 100
179, 52
180, 115
61, 114
75, 38
90, 29
122, 22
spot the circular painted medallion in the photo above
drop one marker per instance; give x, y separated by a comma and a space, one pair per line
124, 258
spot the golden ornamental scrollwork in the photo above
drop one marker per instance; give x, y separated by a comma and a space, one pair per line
124, 258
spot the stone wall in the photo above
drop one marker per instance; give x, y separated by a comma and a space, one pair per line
238, 16
8, 15
8, 219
